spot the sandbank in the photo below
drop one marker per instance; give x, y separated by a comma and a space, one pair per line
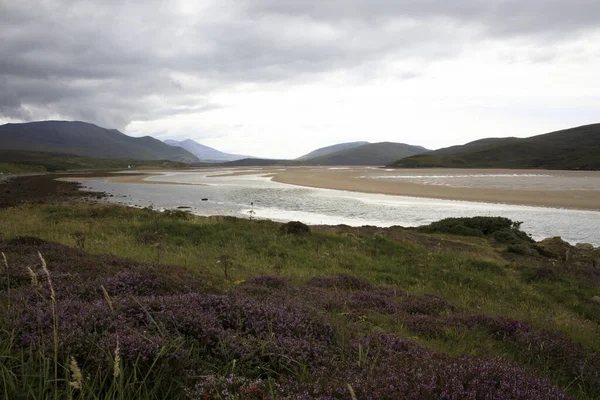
356, 179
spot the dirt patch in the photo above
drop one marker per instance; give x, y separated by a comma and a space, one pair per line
43, 189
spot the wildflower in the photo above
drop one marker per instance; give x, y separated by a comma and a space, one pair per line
116, 366
76, 375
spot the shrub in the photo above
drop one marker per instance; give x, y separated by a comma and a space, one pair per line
502, 229
295, 228
341, 281
520, 249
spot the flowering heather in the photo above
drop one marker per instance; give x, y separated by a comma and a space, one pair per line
428, 304
397, 368
372, 301
266, 336
269, 281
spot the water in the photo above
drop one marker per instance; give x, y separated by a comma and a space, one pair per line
258, 196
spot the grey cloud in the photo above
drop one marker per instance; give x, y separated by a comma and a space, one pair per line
112, 62
497, 16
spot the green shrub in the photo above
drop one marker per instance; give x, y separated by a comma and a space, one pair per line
518, 249
501, 229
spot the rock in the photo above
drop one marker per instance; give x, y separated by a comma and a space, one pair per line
555, 247
584, 246
596, 299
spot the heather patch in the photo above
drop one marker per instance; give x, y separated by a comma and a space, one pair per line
269, 281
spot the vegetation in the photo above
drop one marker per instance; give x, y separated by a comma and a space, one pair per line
17, 162
576, 148
501, 229
87, 140
134, 303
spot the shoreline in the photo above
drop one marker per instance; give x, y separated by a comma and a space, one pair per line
357, 180
347, 180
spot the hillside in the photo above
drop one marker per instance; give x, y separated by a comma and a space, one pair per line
18, 161
575, 148
331, 149
204, 153
263, 162
136, 303
369, 154
87, 140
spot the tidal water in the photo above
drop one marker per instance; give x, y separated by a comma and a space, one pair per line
257, 196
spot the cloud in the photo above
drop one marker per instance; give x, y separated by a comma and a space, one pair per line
114, 62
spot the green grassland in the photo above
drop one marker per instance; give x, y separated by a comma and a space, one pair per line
476, 273
17, 162
571, 149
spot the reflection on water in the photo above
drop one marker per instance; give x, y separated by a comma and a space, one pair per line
238, 195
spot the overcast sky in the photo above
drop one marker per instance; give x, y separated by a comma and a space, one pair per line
278, 78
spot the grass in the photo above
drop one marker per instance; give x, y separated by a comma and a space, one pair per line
574, 149
18, 161
460, 297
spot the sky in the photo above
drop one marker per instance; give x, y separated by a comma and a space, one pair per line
279, 78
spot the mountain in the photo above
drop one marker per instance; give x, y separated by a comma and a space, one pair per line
204, 153
263, 162
19, 161
368, 154
331, 149
87, 140
575, 148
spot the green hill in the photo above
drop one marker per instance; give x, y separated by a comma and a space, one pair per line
369, 154
331, 149
17, 161
575, 148
262, 162
87, 140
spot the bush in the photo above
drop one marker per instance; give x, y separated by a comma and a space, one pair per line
501, 229
295, 228
520, 249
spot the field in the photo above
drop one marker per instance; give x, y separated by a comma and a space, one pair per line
103, 301
20, 162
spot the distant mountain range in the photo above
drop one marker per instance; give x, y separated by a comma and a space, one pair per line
205, 153
87, 140
575, 148
331, 149
58, 142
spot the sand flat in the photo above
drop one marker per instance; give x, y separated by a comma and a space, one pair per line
356, 179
